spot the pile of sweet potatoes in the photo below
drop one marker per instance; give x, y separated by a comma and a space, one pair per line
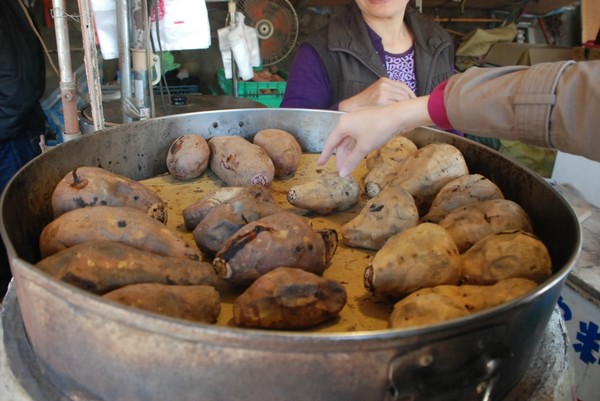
442, 242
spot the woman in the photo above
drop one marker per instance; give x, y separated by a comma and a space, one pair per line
553, 105
372, 52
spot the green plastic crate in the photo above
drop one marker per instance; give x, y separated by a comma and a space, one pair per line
254, 90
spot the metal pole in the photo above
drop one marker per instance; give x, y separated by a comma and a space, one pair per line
90, 56
124, 56
68, 82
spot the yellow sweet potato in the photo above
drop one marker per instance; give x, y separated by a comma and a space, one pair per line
103, 266
199, 303
384, 165
188, 157
459, 192
506, 255
114, 223
445, 302
327, 194
283, 149
468, 224
94, 186
194, 213
425, 173
239, 162
289, 298
391, 211
418, 257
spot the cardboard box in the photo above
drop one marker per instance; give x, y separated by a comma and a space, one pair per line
510, 53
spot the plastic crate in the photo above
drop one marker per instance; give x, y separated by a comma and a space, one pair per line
176, 89
268, 93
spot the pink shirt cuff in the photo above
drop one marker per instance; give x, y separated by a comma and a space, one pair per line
436, 107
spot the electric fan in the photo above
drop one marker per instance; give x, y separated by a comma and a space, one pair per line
276, 24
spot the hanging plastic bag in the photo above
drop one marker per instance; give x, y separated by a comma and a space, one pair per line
242, 42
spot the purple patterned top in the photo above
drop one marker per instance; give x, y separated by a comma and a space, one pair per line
401, 67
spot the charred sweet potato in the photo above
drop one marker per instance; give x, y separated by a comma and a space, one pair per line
200, 303
114, 223
281, 239
239, 162
289, 298
194, 213
445, 302
418, 257
103, 266
283, 149
468, 224
385, 164
327, 194
95, 186
188, 157
461, 191
225, 219
506, 255
425, 173
391, 211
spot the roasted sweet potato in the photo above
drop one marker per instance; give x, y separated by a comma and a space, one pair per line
461, 191
468, 224
114, 223
281, 239
425, 173
239, 162
225, 219
200, 303
418, 257
445, 302
385, 164
95, 186
289, 298
327, 194
283, 149
505, 255
188, 157
194, 213
103, 266
391, 211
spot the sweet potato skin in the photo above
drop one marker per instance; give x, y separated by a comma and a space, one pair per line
418, 257
116, 223
199, 303
461, 191
425, 173
283, 149
445, 302
469, 224
391, 211
327, 194
94, 186
194, 213
281, 239
239, 162
508, 254
188, 157
226, 219
103, 266
289, 298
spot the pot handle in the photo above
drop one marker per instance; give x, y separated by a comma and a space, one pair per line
464, 367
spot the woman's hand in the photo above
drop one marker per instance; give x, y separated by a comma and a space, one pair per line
361, 131
383, 91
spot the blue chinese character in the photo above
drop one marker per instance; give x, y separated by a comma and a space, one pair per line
567, 315
588, 338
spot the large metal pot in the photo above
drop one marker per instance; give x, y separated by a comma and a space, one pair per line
103, 351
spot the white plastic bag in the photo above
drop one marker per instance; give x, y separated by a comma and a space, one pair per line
242, 41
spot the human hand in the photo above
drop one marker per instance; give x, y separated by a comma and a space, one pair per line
383, 91
361, 131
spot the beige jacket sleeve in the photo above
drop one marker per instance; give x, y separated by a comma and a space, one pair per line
554, 105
